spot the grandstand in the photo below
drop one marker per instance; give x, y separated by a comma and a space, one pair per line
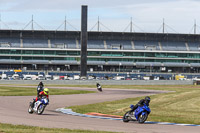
107, 51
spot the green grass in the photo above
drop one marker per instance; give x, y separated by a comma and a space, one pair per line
181, 106
8, 128
26, 91
51, 85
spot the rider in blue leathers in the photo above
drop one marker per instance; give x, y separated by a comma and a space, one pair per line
141, 103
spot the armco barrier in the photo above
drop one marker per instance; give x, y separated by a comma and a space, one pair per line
102, 82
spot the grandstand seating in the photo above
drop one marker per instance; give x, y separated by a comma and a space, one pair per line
139, 45
151, 45
95, 44
138, 51
11, 42
194, 46
119, 44
174, 46
63, 43
146, 45
99, 44
35, 43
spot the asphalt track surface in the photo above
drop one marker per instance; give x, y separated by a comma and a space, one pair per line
14, 110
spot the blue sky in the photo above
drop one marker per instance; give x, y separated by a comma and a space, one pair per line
148, 15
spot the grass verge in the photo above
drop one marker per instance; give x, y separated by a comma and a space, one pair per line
181, 106
23, 91
8, 128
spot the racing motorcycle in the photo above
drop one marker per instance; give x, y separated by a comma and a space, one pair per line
140, 114
99, 88
38, 106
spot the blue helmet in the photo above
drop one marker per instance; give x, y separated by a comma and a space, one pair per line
147, 99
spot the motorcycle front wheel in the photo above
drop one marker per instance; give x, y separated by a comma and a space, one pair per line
40, 109
142, 118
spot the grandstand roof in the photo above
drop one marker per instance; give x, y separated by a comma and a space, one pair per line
100, 35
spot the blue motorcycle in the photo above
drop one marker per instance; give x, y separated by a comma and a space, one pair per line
38, 106
140, 114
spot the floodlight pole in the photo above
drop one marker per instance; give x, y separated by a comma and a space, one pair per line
163, 25
84, 38
98, 26
0, 21
195, 26
65, 23
131, 25
32, 23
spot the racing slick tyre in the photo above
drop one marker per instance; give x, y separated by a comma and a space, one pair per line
40, 109
142, 118
127, 116
30, 110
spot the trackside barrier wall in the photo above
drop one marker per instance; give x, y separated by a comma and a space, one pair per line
102, 82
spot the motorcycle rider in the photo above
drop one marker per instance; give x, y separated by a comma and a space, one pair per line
99, 88
142, 102
40, 88
45, 92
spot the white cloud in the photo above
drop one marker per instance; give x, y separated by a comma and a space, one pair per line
115, 14
177, 14
52, 5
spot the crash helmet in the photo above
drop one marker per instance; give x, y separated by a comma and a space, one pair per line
41, 84
147, 99
46, 91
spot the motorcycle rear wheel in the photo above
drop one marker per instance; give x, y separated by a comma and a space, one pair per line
100, 89
30, 110
127, 116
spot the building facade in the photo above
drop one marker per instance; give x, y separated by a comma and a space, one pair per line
107, 51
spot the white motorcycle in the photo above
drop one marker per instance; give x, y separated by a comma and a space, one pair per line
99, 88
38, 106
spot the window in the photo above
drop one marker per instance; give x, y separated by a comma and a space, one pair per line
60, 52
38, 52
27, 52
73, 53
49, 52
